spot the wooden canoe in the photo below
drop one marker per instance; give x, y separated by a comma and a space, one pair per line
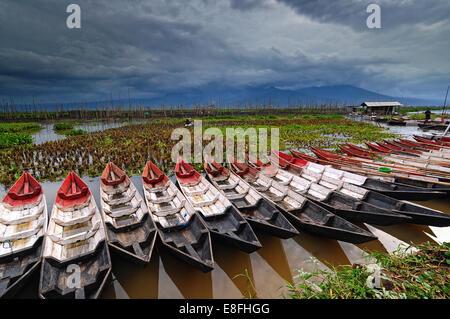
257, 210
396, 190
180, 229
130, 230
340, 198
76, 260
302, 213
23, 223
435, 142
222, 218
418, 214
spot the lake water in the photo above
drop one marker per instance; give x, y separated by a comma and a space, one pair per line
48, 134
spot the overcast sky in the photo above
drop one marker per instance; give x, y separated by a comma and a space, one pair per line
152, 47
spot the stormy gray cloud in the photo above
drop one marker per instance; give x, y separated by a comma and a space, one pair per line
151, 48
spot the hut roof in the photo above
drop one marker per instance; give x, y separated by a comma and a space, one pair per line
381, 104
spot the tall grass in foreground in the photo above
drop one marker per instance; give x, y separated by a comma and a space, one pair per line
423, 274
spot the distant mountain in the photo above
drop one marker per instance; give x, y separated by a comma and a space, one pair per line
270, 95
259, 95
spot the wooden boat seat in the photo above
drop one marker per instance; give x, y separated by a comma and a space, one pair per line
284, 180
300, 184
21, 231
206, 202
197, 190
214, 168
125, 198
156, 189
123, 211
319, 192
353, 191
171, 210
182, 217
15, 216
76, 237
162, 199
230, 185
239, 169
75, 217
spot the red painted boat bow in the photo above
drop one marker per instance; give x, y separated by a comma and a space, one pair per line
25, 191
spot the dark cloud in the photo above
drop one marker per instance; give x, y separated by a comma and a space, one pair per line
353, 12
150, 48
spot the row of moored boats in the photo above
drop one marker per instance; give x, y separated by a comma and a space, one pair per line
284, 195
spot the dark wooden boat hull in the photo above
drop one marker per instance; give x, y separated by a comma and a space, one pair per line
357, 211
396, 123
275, 224
423, 184
332, 226
54, 275
418, 214
437, 127
263, 215
179, 242
21, 269
402, 191
134, 243
232, 229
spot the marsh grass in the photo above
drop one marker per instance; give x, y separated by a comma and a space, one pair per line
422, 274
27, 127
130, 146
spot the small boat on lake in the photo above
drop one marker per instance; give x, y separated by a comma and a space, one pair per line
129, 227
23, 223
257, 210
302, 213
180, 228
76, 260
221, 217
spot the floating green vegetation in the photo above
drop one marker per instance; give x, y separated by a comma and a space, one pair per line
131, 146
28, 127
75, 132
14, 139
63, 126
422, 274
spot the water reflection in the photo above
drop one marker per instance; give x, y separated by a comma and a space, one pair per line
234, 263
48, 134
328, 251
191, 283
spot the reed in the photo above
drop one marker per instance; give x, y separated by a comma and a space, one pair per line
423, 274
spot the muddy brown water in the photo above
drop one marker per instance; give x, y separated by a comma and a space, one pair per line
269, 268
